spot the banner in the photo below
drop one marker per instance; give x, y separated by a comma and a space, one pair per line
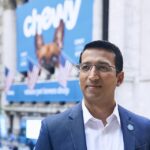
51, 35
44, 92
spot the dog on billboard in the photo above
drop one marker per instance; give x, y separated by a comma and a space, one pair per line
48, 55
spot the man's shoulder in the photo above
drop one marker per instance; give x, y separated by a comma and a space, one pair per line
136, 118
63, 116
140, 124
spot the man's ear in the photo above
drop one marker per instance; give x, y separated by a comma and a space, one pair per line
120, 78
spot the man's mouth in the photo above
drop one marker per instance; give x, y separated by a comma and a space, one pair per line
94, 86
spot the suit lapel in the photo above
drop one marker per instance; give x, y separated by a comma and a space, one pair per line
76, 126
77, 132
128, 129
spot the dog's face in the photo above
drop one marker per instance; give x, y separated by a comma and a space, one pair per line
48, 54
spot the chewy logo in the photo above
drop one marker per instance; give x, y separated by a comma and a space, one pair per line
36, 23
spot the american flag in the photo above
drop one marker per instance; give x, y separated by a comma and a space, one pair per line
62, 74
9, 78
33, 74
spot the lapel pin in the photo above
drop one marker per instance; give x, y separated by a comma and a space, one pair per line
130, 127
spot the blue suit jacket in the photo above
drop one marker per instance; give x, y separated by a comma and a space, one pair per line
65, 131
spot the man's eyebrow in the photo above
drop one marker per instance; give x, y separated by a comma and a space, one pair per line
98, 62
102, 62
87, 62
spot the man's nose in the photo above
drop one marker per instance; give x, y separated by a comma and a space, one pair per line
93, 74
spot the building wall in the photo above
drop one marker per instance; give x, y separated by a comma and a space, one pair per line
129, 28
1, 62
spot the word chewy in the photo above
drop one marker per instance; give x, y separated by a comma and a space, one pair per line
50, 17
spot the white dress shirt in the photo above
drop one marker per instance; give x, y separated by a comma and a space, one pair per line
100, 137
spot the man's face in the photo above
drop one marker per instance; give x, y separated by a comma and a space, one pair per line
99, 85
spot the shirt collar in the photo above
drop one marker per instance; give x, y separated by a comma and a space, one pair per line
87, 115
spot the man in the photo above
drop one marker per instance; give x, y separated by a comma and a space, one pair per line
98, 123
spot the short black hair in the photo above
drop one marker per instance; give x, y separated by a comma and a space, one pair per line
105, 45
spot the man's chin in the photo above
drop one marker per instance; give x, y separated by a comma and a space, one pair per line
91, 97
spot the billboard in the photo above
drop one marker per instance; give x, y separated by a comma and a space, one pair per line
50, 37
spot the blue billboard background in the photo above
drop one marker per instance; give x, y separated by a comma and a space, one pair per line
75, 35
44, 92
43, 17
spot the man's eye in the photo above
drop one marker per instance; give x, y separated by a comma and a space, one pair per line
103, 68
85, 67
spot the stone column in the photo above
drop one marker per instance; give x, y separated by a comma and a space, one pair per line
16, 124
8, 52
9, 35
97, 20
116, 22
